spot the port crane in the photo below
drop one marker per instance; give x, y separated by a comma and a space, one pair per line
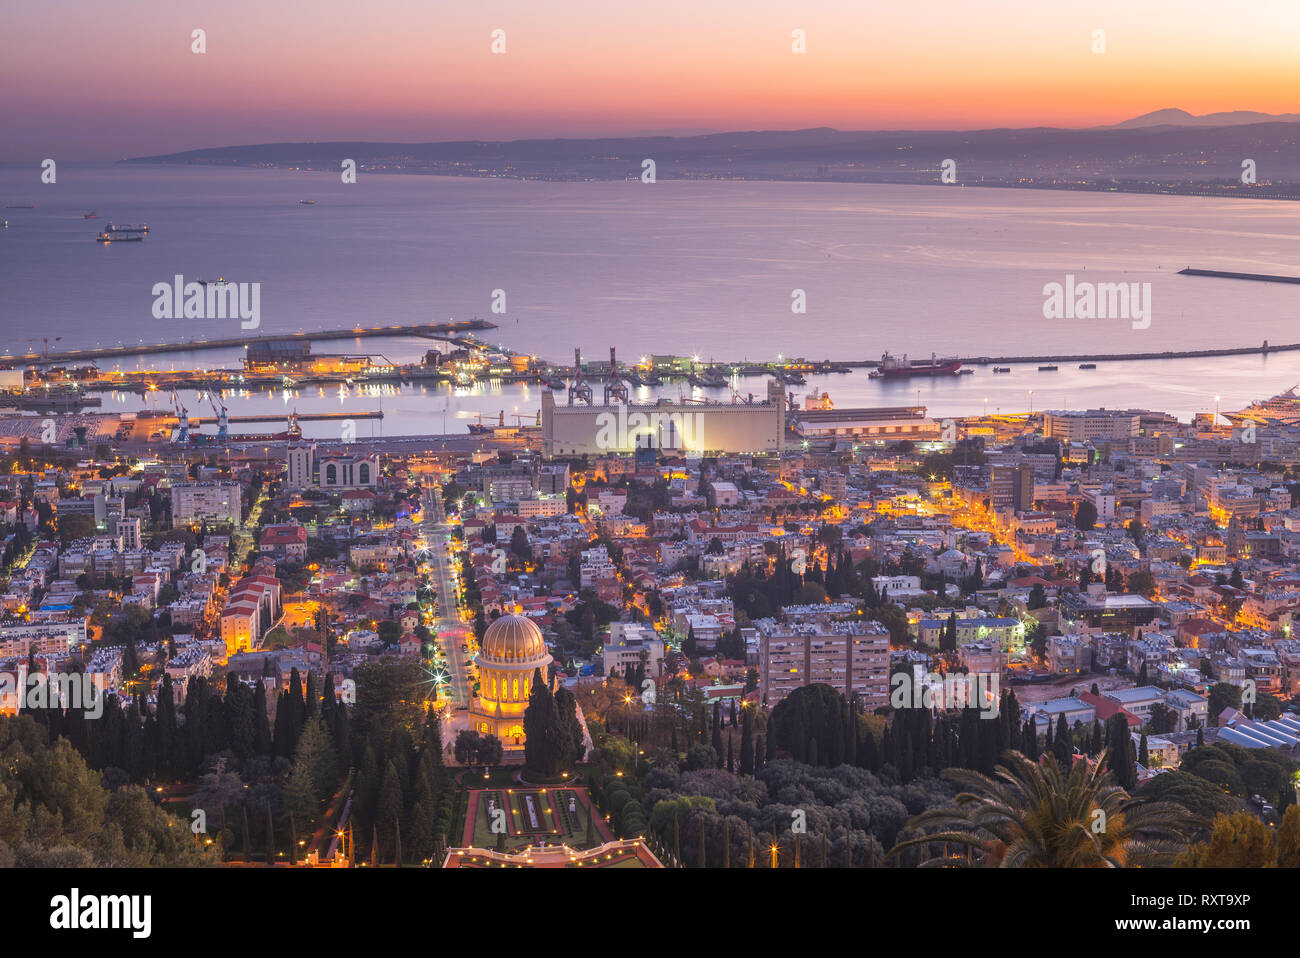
223, 418
182, 417
579, 389
615, 388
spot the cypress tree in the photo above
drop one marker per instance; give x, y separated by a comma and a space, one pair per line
541, 724
261, 723
312, 698
717, 736
747, 743
1062, 745
270, 836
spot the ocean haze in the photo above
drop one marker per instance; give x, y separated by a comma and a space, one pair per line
688, 268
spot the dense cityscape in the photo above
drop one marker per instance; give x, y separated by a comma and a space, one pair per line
764, 634
856, 444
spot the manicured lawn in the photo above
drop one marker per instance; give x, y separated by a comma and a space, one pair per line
555, 822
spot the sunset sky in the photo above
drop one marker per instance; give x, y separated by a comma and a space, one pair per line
112, 78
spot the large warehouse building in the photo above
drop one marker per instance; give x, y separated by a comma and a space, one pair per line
679, 427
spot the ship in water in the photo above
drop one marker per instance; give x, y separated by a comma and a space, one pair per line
1282, 409
647, 378
123, 228
92, 215
900, 367
306, 202
482, 428
710, 378
219, 281
110, 237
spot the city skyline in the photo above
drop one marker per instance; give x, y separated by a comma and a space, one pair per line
730, 435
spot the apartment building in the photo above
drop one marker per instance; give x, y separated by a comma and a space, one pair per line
851, 657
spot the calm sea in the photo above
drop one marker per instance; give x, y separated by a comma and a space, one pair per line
685, 268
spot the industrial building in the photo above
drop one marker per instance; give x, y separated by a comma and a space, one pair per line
882, 423
584, 427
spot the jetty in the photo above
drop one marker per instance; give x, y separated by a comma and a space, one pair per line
459, 333
1226, 274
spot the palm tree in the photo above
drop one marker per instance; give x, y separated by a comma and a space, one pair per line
1029, 815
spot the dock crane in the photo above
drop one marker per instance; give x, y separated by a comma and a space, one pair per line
615, 388
223, 418
579, 389
183, 418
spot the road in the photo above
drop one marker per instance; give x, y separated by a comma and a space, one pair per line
449, 628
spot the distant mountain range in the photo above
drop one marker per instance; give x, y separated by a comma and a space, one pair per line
1165, 151
1174, 117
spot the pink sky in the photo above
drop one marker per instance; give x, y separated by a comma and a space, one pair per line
107, 79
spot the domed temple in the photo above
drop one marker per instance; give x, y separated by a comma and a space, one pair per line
511, 651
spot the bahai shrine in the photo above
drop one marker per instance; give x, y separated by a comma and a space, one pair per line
511, 651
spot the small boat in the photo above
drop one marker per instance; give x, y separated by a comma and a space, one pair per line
1047, 369
707, 379
21, 206
306, 202
555, 382
643, 379
92, 215
219, 281
1002, 369
1087, 365
965, 372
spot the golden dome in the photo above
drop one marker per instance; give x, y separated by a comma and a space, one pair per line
513, 640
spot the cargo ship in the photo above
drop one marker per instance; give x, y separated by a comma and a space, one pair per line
114, 228
482, 428
119, 238
896, 367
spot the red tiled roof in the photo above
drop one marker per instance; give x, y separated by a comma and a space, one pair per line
1108, 708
